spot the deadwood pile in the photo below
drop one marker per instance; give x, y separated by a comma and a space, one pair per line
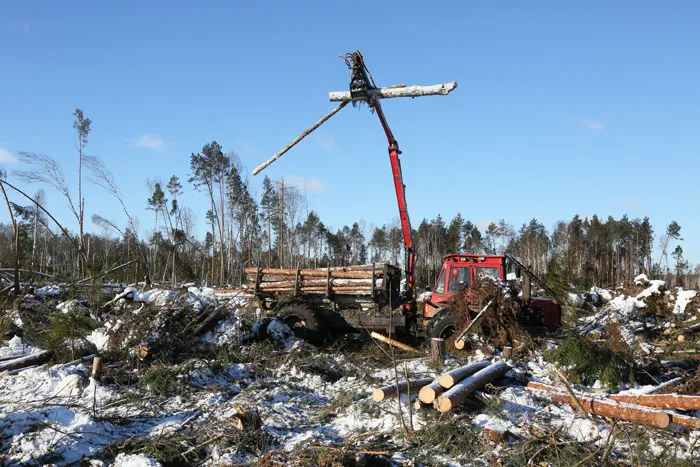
499, 325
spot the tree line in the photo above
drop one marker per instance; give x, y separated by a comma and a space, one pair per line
278, 228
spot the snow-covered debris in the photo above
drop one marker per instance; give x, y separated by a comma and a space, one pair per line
603, 294
15, 347
159, 297
99, 338
71, 306
134, 460
48, 291
683, 297
652, 288
424, 296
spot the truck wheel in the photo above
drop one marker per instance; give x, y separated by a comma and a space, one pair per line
304, 321
442, 324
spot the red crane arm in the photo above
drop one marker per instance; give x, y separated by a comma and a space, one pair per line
400, 188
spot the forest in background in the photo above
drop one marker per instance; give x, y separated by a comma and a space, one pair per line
280, 229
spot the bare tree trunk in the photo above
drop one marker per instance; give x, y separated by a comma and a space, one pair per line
15, 232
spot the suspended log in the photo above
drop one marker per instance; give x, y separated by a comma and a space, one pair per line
449, 379
303, 135
391, 92
28, 360
662, 401
619, 410
465, 388
429, 393
395, 343
393, 390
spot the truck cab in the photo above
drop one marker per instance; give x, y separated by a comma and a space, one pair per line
461, 270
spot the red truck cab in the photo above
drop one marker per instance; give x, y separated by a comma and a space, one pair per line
462, 269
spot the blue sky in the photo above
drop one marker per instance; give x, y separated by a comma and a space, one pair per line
561, 108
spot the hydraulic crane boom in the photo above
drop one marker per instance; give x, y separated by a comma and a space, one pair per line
360, 83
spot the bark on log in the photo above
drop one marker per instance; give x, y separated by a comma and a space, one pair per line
391, 92
661, 401
393, 390
684, 420
465, 388
395, 343
449, 379
620, 410
354, 272
336, 283
303, 135
437, 350
28, 360
429, 393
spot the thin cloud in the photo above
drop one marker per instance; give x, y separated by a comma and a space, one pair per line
590, 123
18, 25
149, 141
309, 184
630, 204
327, 142
6, 156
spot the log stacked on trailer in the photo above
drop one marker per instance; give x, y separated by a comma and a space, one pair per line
348, 280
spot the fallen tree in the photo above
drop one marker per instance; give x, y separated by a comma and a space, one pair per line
619, 410
394, 390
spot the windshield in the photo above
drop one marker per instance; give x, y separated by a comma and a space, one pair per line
440, 286
458, 276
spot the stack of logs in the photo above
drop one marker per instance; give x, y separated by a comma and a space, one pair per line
449, 389
350, 280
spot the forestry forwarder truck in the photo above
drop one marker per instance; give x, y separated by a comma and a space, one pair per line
317, 301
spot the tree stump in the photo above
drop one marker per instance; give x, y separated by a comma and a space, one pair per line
96, 367
437, 350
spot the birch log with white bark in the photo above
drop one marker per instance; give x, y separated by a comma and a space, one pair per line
390, 92
303, 135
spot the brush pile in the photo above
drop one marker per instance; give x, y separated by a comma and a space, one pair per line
499, 326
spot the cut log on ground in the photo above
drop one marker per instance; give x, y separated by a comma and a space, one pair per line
465, 388
395, 343
619, 410
28, 360
449, 379
391, 92
393, 390
684, 420
661, 401
429, 393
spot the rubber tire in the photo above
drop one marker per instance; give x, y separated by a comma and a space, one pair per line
442, 324
304, 321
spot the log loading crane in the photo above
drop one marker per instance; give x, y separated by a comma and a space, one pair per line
313, 309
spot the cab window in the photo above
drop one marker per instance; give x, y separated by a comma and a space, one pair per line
440, 285
492, 272
458, 276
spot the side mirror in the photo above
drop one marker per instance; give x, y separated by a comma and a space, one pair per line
518, 273
428, 288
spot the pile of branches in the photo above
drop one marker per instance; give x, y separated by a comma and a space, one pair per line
499, 326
